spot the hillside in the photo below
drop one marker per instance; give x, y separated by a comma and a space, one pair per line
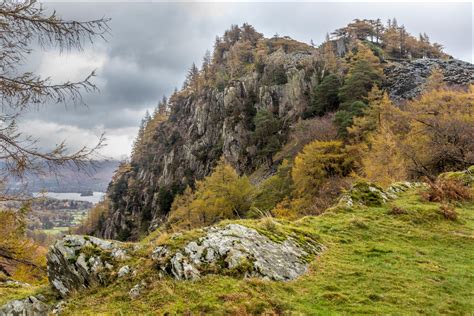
374, 260
250, 80
95, 176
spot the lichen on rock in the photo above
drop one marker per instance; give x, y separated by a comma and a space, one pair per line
78, 262
30, 306
236, 250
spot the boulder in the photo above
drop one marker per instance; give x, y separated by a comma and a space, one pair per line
30, 306
77, 262
237, 250
369, 194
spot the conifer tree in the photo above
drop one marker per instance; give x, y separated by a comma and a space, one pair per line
266, 135
325, 96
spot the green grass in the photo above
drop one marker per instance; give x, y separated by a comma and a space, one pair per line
377, 263
374, 263
13, 292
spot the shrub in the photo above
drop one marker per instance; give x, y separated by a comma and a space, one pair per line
445, 190
274, 189
395, 210
448, 211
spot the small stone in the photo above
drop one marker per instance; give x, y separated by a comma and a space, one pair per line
136, 290
123, 271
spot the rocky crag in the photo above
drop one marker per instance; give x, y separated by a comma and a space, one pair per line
214, 121
405, 80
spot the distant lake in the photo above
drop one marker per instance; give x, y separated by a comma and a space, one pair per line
95, 198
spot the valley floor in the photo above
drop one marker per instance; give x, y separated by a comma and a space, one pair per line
376, 262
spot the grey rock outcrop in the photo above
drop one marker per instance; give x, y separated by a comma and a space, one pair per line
238, 250
30, 306
77, 262
405, 80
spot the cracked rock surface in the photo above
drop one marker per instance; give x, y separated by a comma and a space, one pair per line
236, 249
30, 306
77, 262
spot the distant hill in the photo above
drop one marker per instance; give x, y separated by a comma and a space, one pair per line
94, 177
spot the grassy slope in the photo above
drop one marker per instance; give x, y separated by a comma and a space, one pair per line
374, 263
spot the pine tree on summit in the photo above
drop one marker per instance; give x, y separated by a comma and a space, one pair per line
191, 77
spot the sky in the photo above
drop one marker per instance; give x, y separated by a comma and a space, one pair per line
152, 45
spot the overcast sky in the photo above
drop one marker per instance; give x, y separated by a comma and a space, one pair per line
153, 44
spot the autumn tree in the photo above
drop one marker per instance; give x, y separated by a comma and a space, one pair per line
435, 81
221, 195
137, 144
384, 163
380, 108
19, 256
441, 128
430, 135
318, 160
22, 24
317, 174
329, 58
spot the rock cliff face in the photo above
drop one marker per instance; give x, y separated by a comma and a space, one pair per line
405, 80
215, 122
200, 129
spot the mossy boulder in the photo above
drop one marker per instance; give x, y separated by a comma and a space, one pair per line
466, 177
370, 194
78, 262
